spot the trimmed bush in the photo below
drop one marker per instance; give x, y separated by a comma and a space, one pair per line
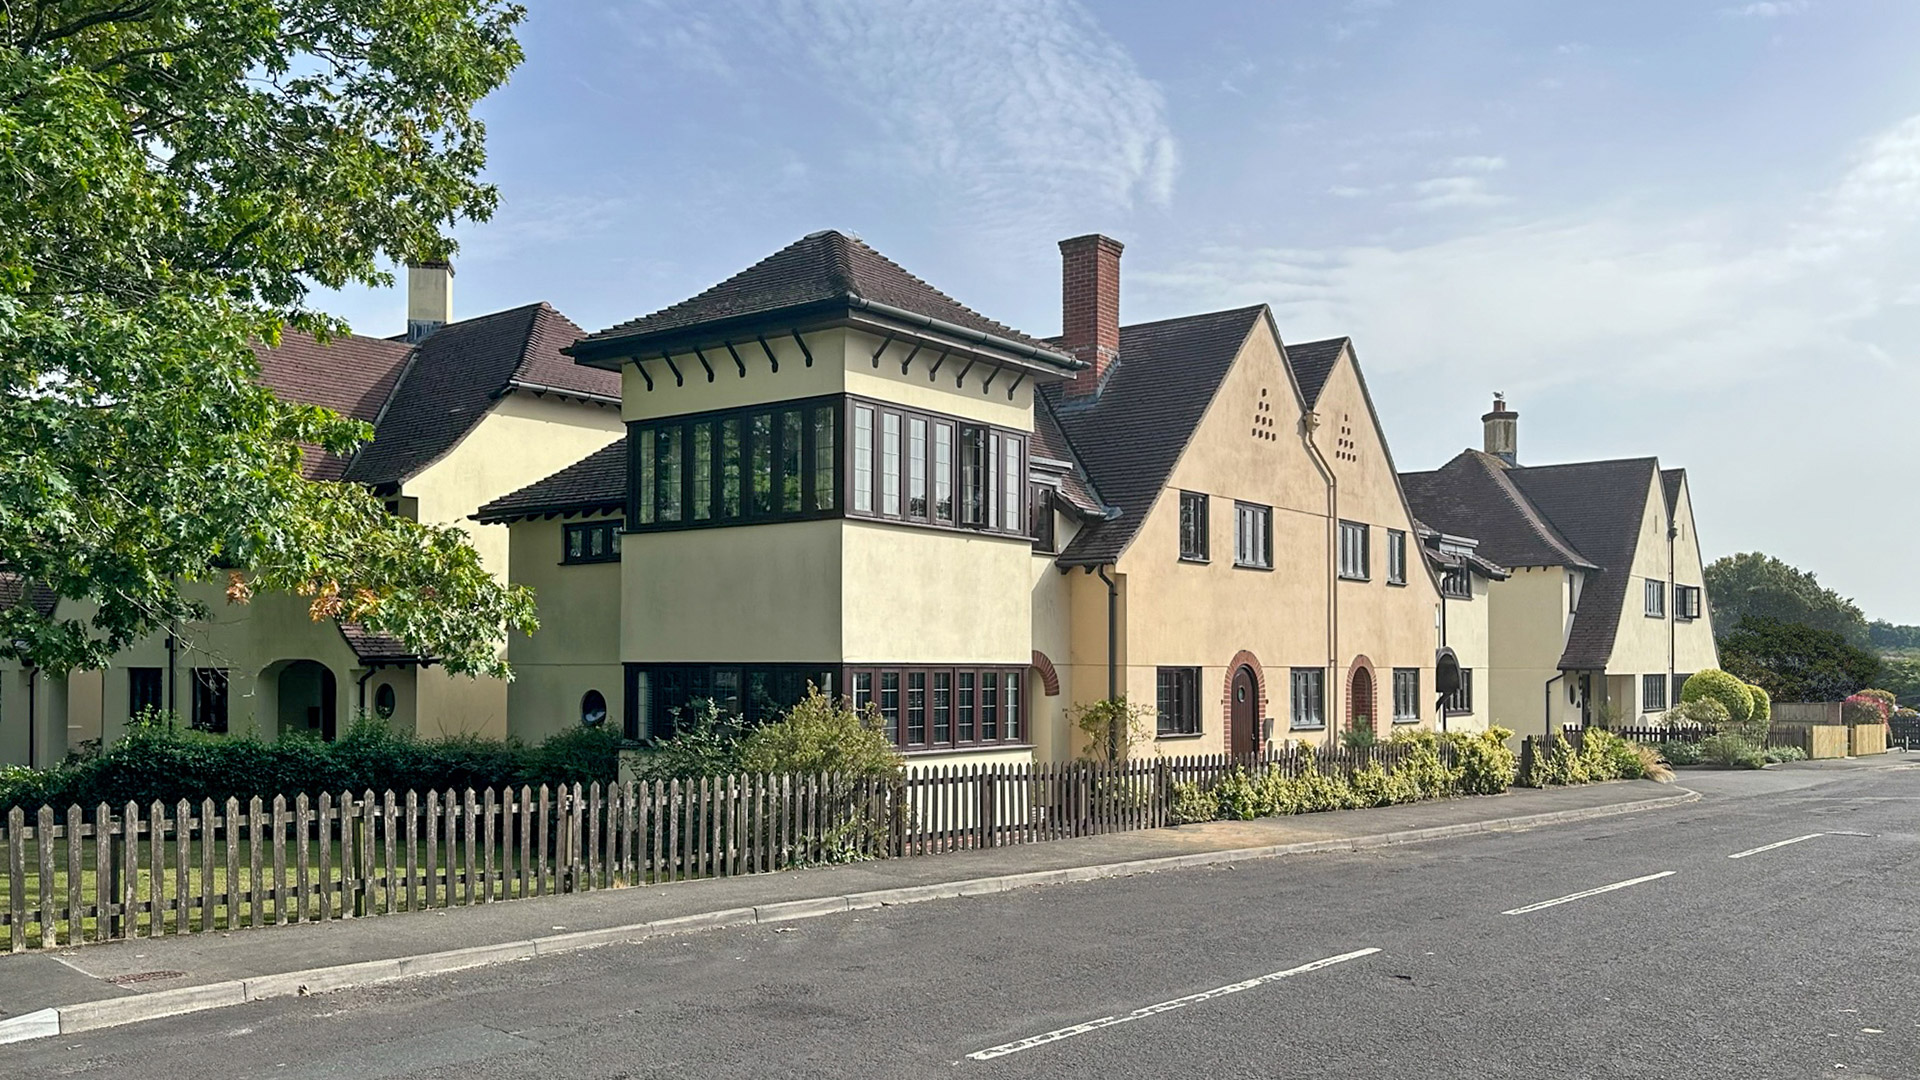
1778, 754
1727, 689
1486, 764
1702, 713
1730, 751
1762, 718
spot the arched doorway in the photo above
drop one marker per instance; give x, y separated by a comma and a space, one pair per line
1360, 712
308, 699
1243, 715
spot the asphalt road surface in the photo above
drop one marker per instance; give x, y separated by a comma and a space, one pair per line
1766, 931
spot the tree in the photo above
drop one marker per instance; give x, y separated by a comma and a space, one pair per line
1757, 584
1792, 662
1886, 635
174, 176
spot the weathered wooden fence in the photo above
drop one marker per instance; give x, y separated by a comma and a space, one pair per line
127, 872
1647, 734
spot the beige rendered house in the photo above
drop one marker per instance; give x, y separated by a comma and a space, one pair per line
462, 411
1604, 605
835, 474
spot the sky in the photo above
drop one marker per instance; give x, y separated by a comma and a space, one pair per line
1660, 227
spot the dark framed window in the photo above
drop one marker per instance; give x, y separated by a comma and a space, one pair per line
945, 708
766, 463
660, 696
1406, 695
1461, 700
1355, 540
1309, 698
976, 474
1040, 499
209, 699
1253, 535
1193, 526
1653, 693
1679, 682
1456, 582
1656, 598
924, 468
1396, 557
1686, 602
591, 542
593, 708
1177, 701
385, 701
143, 690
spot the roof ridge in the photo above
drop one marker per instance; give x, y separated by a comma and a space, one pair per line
1243, 309
1547, 530
1595, 461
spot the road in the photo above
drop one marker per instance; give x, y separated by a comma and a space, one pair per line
1442, 960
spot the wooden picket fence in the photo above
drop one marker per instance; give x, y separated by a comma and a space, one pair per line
1646, 734
130, 872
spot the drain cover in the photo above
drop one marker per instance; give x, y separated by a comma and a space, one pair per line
145, 976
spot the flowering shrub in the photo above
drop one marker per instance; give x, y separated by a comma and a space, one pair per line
1862, 708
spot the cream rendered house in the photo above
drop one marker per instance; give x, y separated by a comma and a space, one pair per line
1604, 605
835, 474
462, 411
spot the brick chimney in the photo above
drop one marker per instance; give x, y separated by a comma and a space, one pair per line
429, 297
1502, 427
1090, 308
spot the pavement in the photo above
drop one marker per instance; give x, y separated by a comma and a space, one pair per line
95, 987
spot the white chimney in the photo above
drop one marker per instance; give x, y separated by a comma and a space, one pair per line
429, 297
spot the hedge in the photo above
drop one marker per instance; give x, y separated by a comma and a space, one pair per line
1720, 686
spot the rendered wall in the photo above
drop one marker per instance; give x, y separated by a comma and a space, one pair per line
577, 647
1527, 622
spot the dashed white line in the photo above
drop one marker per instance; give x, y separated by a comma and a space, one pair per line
1058, 1034
1589, 892
1775, 844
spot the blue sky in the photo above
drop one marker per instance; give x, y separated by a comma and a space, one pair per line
1662, 227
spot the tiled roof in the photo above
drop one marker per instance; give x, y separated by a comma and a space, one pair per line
1132, 435
454, 377
1050, 442
16, 589
1312, 363
596, 482
820, 267
352, 375
1600, 506
1670, 480
373, 648
1473, 495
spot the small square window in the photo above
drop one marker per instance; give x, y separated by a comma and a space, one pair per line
1177, 701
1253, 536
1406, 695
1309, 706
1656, 595
1653, 693
1354, 541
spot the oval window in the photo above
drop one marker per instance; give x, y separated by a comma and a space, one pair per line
385, 701
1240, 693
593, 708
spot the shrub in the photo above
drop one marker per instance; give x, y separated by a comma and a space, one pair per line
1606, 756
1651, 767
1240, 798
1888, 702
1785, 753
1722, 687
1359, 738
1700, 713
1557, 764
1730, 751
581, 755
823, 735
1762, 719
1862, 709
1192, 803
708, 743
1112, 727
1486, 765
1681, 753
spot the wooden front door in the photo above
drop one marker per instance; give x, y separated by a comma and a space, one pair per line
1243, 734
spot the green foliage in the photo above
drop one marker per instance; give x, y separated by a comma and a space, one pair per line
580, 755
1717, 685
1761, 721
1485, 767
1729, 750
1901, 676
823, 735
1885, 635
177, 176
1777, 754
1681, 753
1359, 738
1795, 662
1112, 727
1754, 585
1602, 756
1191, 803
1863, 708
707, 742
1702, 712
1486, 764
1886, 699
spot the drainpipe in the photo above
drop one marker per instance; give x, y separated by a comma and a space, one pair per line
1443, 641
173, 668
362, 690
1547, 693
33, 717
1310, 424
1113, 658
1673, 611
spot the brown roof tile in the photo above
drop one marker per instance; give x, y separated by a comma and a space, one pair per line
596, 482
351, 375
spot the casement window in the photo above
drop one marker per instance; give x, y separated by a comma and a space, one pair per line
1686, 602
1177, 701
143, 690
1309, 698
1653, 693
1193, 526
943, 708
1253, 536
209, 699
1461, 700
1656, 594
1679, 681
1040, 511
591, 542
660, 696
1456, 583
792, 461
1354, 542
1406, 695
1396, 557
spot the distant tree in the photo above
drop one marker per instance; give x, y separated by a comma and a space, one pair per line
1756, 584
1793, 662
1886, 635
1902, 676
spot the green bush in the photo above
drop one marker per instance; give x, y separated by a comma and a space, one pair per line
1720, 686
1557, 764
1192, 803
1701, 712
1776, 754
823, 735
1359, 738
1240, 798
1606, 756
1486, 764
1730, 751
1762, 718
708, 743
1681, 753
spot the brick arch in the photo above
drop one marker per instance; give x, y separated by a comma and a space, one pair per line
1362, 663
1049, 678
1241, 659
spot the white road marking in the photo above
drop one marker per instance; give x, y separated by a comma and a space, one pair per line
1775, 844
1015, 1047
1589, 892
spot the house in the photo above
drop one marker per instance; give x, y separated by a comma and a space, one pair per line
462, 412
1604, 606
1466, 578
835, 474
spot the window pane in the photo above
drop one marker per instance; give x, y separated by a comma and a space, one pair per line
863, 459
726, 689
942, 707
823, 457
790, 478
863, 691
890, 464
1010, 486
973, 476
1013, 705
917, 468
667, 448
574, 546
943, 472
703, 472
890, 702
989, 706
730, 466
760, 435
917, 707
645, 486
963, 706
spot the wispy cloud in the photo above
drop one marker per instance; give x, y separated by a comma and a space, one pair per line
1027, 114
1446, 192
1357, 17
1767, 9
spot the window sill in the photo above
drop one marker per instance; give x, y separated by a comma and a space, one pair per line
1351, 577
1406, 720
1252, 566
1401, 584
1197, 561
1178, 735
1306, 727
1459, 712
1656, 615
588, 562
965, 748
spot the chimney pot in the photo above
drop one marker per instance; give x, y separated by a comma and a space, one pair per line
429, 297
1090, 308
1502, 430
